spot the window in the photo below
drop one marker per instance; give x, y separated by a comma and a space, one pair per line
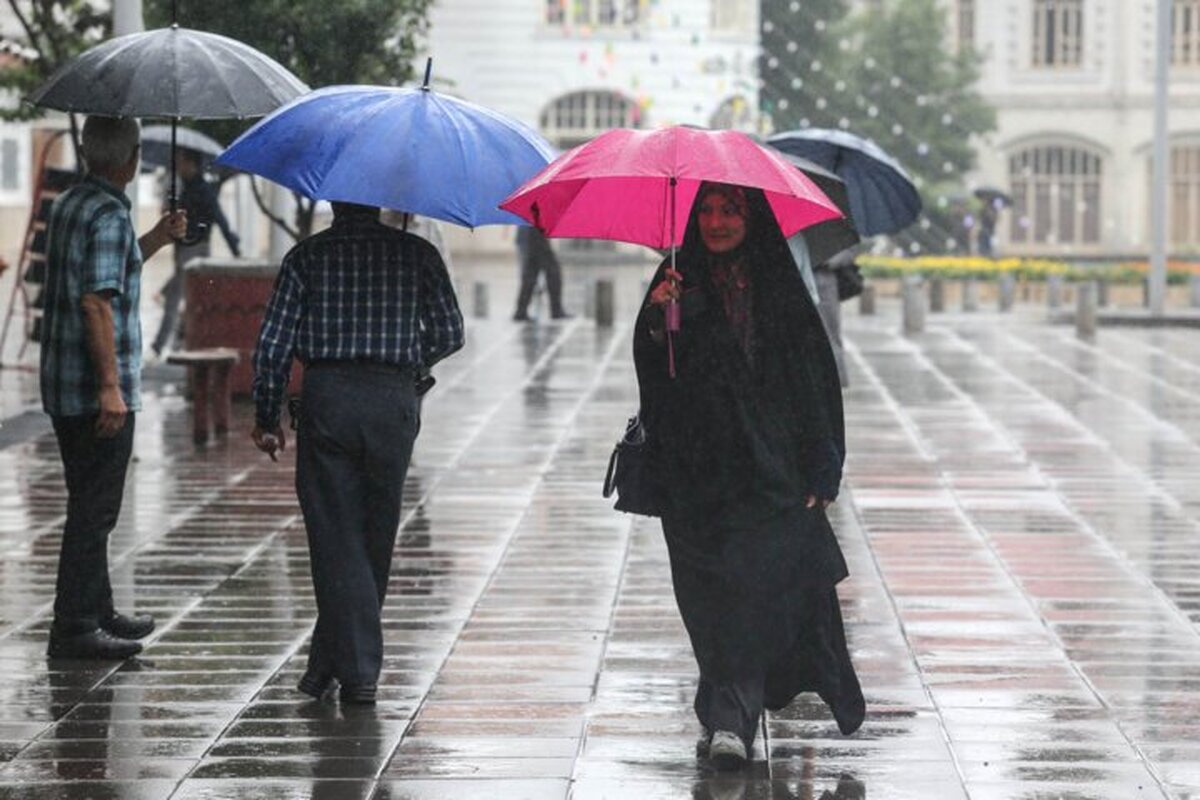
1057, 33
575, 118
10, 165
1185, 33
1184, 165
1056, 196
594, 13
965, 24
732, 15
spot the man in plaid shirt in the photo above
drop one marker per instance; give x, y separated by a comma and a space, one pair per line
91, 379
368, 309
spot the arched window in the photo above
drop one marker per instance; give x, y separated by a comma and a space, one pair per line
577, 117
736, 114
1056, 195
1057, 33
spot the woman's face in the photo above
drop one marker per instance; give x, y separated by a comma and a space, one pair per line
722, 226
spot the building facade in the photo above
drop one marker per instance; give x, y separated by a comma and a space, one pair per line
575, 68
1073, 85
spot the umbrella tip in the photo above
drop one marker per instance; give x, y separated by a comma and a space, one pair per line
428, 72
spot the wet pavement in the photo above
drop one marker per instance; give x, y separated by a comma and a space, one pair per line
1021, 519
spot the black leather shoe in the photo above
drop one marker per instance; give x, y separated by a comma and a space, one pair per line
138, 626
97, 644
315, 686
357, 695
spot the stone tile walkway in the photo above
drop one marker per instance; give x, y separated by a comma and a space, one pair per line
1022, 523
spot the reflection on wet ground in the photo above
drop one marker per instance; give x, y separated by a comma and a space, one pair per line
1022, 522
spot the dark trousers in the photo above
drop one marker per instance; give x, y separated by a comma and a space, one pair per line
530, 268
355, 438
95, 474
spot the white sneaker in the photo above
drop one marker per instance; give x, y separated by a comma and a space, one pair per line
727, 752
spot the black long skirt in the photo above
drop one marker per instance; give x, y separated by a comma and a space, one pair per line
759, 601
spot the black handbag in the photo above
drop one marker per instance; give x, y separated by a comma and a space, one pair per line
629, 474
849, 281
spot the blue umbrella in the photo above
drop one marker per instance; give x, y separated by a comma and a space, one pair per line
883, 198
406, 149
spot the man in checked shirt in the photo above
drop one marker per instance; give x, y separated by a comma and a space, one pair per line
367, 309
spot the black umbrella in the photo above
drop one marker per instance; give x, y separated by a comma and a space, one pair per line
884, 197
993, 197
827, 239
170, 73
156, 144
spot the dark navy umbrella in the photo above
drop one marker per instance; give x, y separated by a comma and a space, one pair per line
171, 73
827, 239
405, 149
883, 198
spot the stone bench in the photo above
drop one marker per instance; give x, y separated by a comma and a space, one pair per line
208, 371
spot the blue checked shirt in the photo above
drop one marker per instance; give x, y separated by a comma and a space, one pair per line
91, 248
360, 291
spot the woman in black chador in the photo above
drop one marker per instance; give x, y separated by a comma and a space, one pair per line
746, 445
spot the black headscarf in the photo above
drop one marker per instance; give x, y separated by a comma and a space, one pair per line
730, 430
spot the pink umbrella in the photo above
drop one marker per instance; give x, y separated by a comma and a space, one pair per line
639, 186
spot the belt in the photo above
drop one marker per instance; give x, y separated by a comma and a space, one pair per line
360, 364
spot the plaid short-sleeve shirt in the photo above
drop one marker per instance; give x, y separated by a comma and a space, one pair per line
91, 248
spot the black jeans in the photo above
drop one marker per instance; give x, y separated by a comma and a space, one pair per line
95, 474
355, 439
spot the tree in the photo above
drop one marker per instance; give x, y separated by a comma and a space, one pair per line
55, 30
802, 61
324, 42
893, 80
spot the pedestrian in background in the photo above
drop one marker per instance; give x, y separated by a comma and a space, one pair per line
745, 444
535, 256
91, 379
199, 199
367, 309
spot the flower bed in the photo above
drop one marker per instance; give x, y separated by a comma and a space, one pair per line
1030, 269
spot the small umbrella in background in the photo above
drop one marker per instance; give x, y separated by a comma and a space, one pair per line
639, 187
883, 198
411, 150
993, 197
156, 144
171, 73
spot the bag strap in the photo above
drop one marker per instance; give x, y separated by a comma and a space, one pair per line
610, 474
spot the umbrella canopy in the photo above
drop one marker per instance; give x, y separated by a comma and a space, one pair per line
156, 144
639, 186
827, 239
407, 149
172, 73
883, 199
994, 197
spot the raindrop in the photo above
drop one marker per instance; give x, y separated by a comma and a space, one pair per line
773, 63
805, 122
922, 100
869, 63
898, 252
797, 83
843, 123
947, 119
794, 6
925, 223
947, 167
923, 149
783, 103
897, 129
822, 102
816, 66
914, 248
895, 82
792, 47
820, 25
840, 86
951, 244
768, 26
873, 111
943, 201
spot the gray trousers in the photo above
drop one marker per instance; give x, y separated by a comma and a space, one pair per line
354, 442
830, 309
172, 292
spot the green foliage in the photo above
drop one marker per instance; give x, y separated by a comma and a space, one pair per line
56, 30
887, 75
